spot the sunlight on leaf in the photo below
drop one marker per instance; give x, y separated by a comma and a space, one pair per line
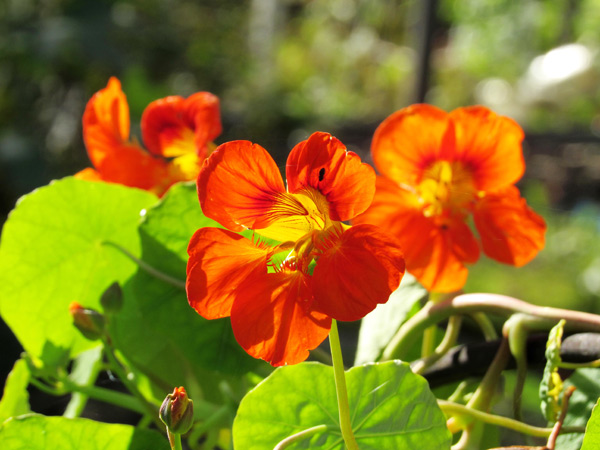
390, 408
15, 400
591, 440
41, 433
52, 254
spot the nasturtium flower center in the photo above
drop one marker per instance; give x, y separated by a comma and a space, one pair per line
296, 215
447, 188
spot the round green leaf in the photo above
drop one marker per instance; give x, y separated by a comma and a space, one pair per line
390, 408
37, 432
52, 253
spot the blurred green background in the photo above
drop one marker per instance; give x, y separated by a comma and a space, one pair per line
283, 69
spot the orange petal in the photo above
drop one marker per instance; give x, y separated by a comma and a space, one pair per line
272, 320
511, 232
106, 122
490, 144
173, 126
435, 253
239, 185
322, 162
88, 174
356, 269
219, 262
409, 140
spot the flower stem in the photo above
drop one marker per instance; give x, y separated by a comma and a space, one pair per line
505, 422
340, 387
174, 440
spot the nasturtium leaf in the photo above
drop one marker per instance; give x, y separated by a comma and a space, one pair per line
156, 329
581, 403
379, 326
53, 252
390, 408
15, 400
551, 385
36, 432
591, 439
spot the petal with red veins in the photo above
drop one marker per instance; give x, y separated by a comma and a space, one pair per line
240, 187
272, 319
410, 140
219, 262
511, 232
490, 145
356, 269
323, 163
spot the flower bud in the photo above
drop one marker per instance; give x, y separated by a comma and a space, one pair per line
177, 411
88, 321
112, 299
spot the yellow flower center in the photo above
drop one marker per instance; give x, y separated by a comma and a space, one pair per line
447, 188
297, 215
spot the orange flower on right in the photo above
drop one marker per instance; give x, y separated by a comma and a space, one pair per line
438, 169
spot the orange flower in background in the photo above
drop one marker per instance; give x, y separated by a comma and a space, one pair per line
437, 170
281, 298
177, 132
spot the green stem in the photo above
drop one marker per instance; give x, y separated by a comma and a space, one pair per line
428, 343
448, 342
340, 387
117, 368
456, 408
502, 305
299, 436
174, 440
485, 324
97, 393
147, 267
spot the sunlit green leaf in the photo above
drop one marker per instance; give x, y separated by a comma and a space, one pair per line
390, 408
379, 326
37, 432
591, 440
15, 400
52, 253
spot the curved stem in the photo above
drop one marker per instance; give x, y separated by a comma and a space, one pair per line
486, 325
340, 387
456, 408
431, 314
147, 267
299, 436
452, 331
116, 367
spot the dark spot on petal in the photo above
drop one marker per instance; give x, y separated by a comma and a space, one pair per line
322, 174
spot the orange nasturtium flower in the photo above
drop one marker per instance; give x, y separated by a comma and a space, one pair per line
438, 169
177, 132
281, 298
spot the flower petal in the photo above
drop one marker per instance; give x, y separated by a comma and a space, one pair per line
272, 320
219, 262
356, 269
435, 252
323, 163
106, 137
511, 232
239, 185
409, 140
173, 126
490, 144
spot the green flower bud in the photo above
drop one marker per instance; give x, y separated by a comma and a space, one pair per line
112, 299
177, 411
89, 322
